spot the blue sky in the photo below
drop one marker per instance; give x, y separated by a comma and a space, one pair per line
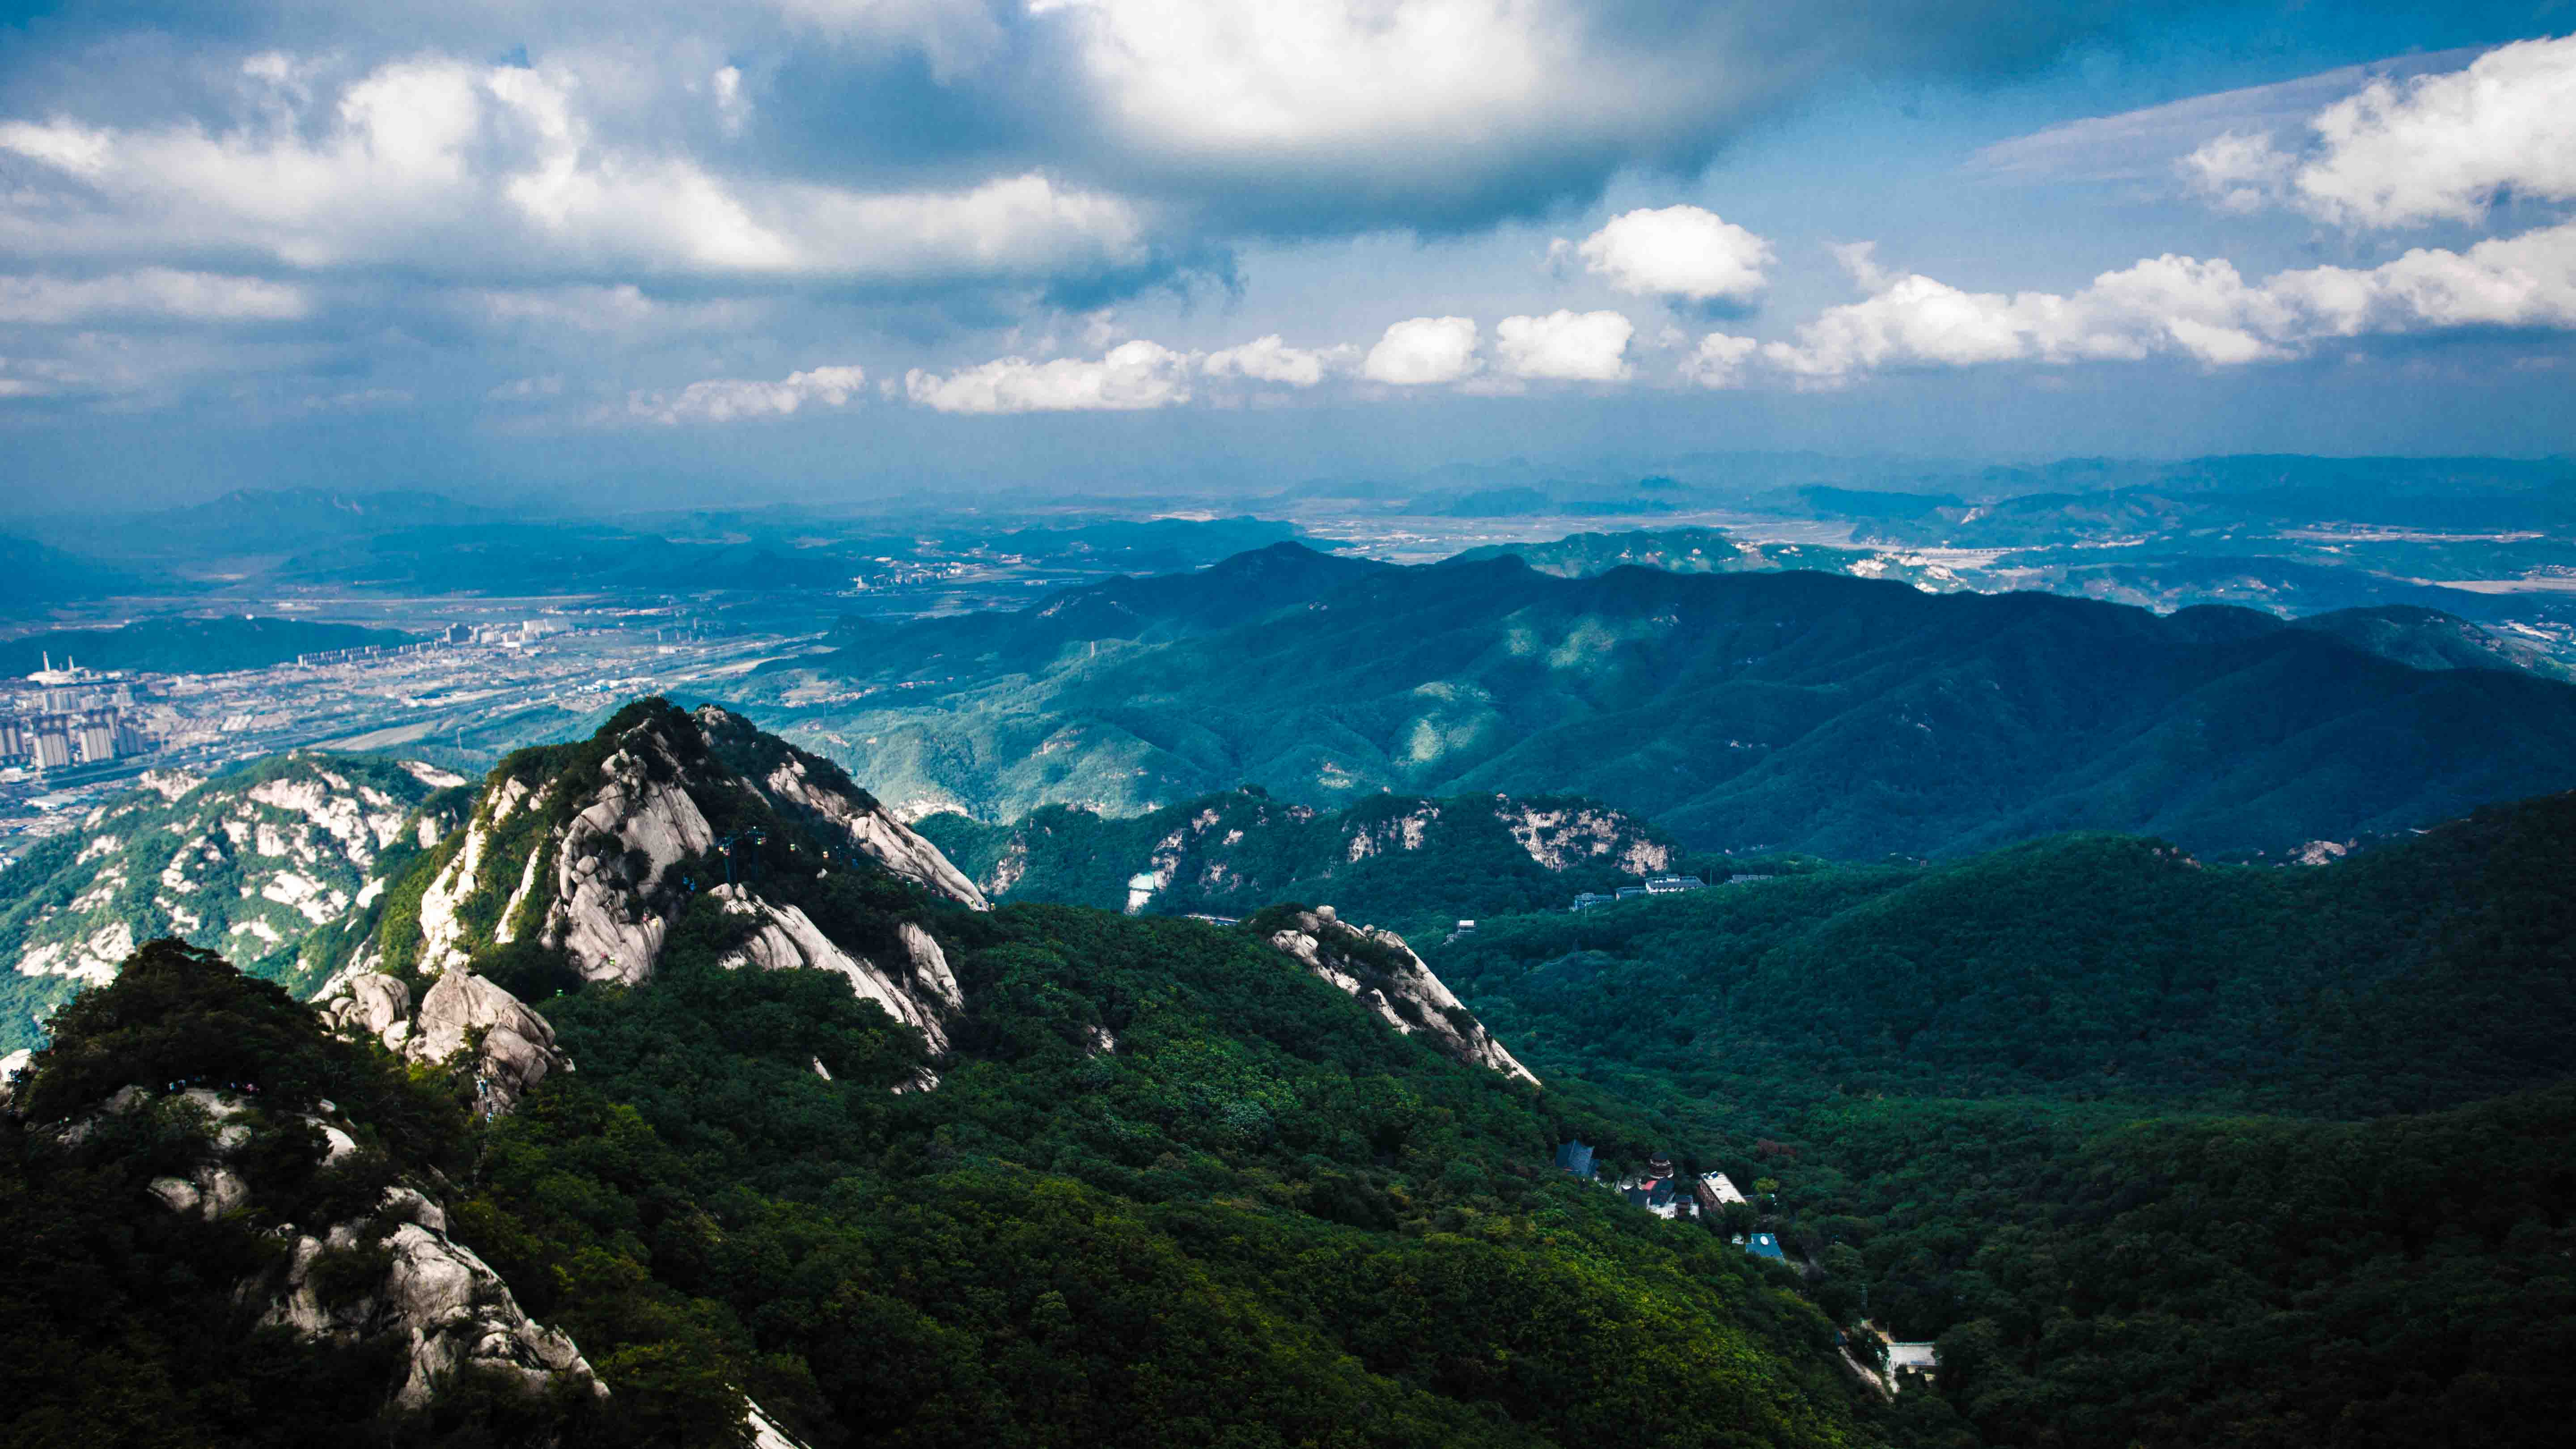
817, 247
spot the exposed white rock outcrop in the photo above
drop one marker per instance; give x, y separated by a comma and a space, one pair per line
785, 938
605, 922
443, 943
1393, 982
1557, 839
170, 785
507, 929
432, 776
888, 840
430, 1292
930, 965
10, 1066
518, 1045
453, 1309
765, 1433
371, 1003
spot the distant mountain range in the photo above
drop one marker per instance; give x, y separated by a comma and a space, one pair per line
430, 543
1790, 710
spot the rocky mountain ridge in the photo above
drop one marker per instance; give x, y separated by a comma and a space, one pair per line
576, 862
1425, 861
1384, 974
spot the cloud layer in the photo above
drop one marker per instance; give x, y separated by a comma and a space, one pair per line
443, 167
651, 215
2443, 147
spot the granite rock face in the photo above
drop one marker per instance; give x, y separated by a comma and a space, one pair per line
604, 878
517, 1048
593, 863
374, 1004
915, 992
889, 841
797, 782
608, 915
416, 1285
1377, 967
447, 1304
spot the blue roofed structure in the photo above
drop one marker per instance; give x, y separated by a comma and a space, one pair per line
1764, 1245
1575, 1157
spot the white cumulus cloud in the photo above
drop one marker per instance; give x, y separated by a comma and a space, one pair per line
1564, 345
1719, 360
2441, 147
2185, 307
1131, 376
1678, 251
729, 399
1268, 359
1424, 350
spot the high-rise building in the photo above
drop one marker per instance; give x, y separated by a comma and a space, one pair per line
51, 747
96, 733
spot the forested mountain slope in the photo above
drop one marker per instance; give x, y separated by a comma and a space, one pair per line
1789, 710
759, 1106
220, 1226
2085, 965
2159, 1152
2431, 639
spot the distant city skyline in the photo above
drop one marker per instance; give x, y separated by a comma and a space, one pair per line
810, 250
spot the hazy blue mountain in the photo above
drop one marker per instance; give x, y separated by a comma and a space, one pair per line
1164, 606
2276, 584
1688, 550
249, 522
1792, 710
34, 576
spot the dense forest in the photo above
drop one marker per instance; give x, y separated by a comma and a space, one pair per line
2157, 1152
